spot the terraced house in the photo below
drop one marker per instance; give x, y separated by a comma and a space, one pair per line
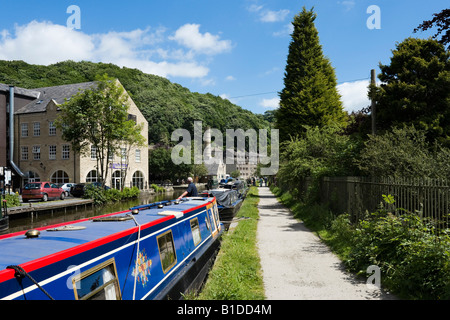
40, 153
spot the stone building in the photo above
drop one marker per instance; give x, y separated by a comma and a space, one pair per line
42, 155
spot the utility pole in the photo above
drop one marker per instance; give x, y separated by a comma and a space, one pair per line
373, 105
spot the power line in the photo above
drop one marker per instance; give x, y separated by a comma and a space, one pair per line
271, 92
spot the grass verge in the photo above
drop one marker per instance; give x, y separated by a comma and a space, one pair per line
236, 274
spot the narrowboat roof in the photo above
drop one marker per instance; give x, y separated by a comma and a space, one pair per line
66, 239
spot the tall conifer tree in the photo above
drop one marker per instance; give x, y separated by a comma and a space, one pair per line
310, 95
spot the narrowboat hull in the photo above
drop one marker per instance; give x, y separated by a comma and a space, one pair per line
229, 202
153, 251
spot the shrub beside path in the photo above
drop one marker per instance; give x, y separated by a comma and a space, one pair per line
296, 265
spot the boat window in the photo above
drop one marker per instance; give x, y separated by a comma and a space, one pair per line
195, 231
167, 251
98, 283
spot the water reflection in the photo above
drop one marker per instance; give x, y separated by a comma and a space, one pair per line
26, 222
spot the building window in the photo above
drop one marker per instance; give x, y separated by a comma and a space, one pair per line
123, 152
116, 180
92, 176
51, 129
36, 152
138, 180
52, 152
31, 176
24, 153
137, 155
65, 152
93, 153
132, 117
110, 155
60, 176
36, 129
24, 129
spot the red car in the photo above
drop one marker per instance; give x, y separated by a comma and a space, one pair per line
42, 191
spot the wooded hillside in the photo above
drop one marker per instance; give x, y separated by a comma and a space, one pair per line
167, 106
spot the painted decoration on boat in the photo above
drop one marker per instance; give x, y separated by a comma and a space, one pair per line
143, 268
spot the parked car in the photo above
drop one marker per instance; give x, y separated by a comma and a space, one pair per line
66, 187
42, 191
78, 189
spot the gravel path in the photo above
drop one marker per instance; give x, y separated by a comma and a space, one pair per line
296, 265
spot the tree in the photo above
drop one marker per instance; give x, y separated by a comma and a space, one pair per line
309, 96
97, 119
404, 152
442, 21
415, 88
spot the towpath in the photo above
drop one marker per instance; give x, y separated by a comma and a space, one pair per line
296, 265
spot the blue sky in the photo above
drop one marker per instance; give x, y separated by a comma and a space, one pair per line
234, 49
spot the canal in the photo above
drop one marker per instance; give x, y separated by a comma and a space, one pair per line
28, 221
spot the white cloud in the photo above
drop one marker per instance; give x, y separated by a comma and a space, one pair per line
348, 4
45, 43
273, 103
148, 50
286, 31
230, 78
274, 16
266, 15
354, 95
189, 36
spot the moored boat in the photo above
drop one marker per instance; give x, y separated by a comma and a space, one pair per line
154, 251
229, 202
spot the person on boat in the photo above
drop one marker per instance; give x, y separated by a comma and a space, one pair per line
191, 190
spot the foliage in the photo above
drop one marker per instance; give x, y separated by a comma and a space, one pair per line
404, 152
98, 118
413, 259
321, 152
309, 96
12, 200
235, 174
165, 105
157, 188
442, 21
236, 274
161, 166
102, 196
415, 89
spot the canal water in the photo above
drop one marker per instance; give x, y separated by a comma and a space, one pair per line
27, 221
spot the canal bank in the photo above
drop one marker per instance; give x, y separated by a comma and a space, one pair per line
296, 265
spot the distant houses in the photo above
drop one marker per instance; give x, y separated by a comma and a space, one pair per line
32, 148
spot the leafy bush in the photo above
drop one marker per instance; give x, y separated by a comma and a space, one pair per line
404, 152
157, 188
321, 152
101, 196
413, 259
12, 200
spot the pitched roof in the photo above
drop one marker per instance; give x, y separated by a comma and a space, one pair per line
21, 91
57, 93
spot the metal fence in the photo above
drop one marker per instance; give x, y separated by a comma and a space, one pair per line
429, 198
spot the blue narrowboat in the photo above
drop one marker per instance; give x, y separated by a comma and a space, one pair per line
154, 251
